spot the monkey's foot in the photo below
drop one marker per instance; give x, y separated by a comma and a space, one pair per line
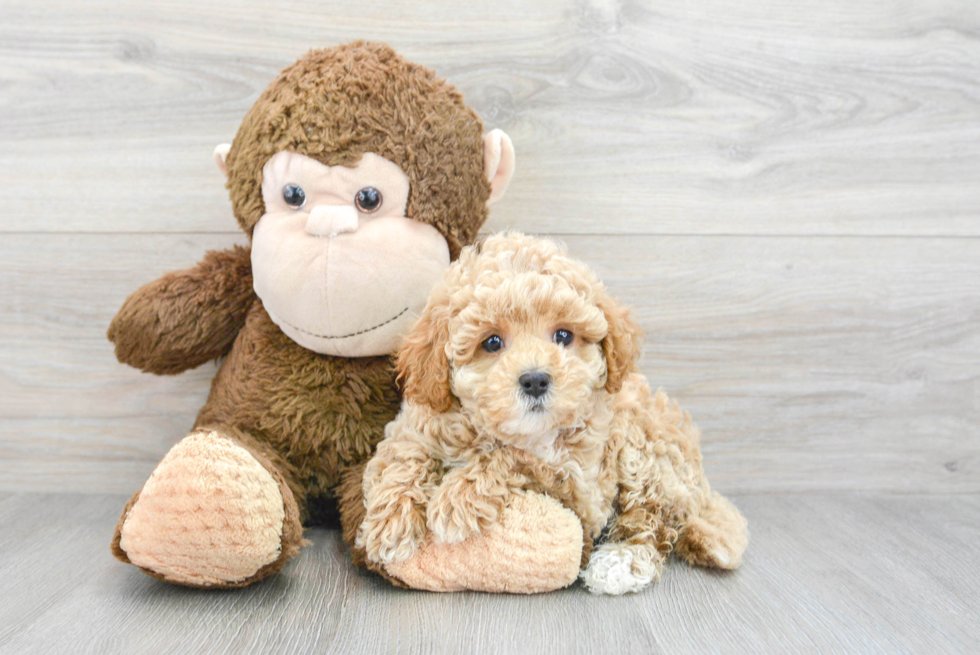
536, 546
210, 515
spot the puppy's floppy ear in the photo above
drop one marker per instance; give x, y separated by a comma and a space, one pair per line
421, 362
622, 344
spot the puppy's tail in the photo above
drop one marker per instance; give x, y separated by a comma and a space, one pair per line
716, 537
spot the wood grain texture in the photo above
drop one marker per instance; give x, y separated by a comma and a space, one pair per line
810, 364
824, 573
788, 193
811, 117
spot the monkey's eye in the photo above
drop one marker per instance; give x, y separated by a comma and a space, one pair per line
563, 337
492, 344
294, 195
368, 199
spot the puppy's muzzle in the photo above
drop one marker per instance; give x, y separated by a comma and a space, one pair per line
534, 384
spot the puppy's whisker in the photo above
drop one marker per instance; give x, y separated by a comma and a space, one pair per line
535, 406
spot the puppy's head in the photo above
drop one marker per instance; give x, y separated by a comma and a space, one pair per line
523, 336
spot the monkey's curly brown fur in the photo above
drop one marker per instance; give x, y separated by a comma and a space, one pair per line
303, 416
336, 104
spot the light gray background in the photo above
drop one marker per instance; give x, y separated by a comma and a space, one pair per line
788, 194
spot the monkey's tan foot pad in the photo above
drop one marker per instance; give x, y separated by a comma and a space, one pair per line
536, 547
210, 515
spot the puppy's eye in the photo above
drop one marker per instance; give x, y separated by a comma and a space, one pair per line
294, 195
368, 199
563, 337
492, 344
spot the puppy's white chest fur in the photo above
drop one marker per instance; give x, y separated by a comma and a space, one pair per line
546, 448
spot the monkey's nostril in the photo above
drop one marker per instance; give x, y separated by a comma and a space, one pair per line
331, 220
534, 383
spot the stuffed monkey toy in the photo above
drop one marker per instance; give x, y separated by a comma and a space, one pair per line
358, 176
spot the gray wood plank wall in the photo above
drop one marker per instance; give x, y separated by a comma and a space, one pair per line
788, 194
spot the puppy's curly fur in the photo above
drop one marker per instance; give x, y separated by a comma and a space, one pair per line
474, 428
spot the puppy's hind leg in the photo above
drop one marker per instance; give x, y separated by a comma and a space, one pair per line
716, 537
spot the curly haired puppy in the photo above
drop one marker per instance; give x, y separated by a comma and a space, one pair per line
522, 374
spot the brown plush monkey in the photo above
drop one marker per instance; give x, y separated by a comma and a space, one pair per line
358, 176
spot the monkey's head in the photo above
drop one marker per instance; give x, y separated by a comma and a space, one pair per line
359, 176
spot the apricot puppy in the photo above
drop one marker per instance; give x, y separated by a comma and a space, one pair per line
522, 374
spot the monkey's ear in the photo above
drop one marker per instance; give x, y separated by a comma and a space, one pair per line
421, 362
220, 155
498, 163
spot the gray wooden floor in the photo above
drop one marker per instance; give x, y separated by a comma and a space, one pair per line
840, 573
788, 194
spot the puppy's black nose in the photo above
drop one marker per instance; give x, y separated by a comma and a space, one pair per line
535, 383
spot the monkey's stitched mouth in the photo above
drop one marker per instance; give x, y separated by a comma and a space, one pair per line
346, 336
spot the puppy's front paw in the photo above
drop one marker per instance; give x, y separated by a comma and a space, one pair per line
458, 511
617, 569
392, 533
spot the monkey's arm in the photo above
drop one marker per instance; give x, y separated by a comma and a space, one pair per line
185, 318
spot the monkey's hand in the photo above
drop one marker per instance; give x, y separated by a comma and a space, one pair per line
185, 318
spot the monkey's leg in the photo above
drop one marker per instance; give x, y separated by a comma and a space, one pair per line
216, 512
535, 546
716, 537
